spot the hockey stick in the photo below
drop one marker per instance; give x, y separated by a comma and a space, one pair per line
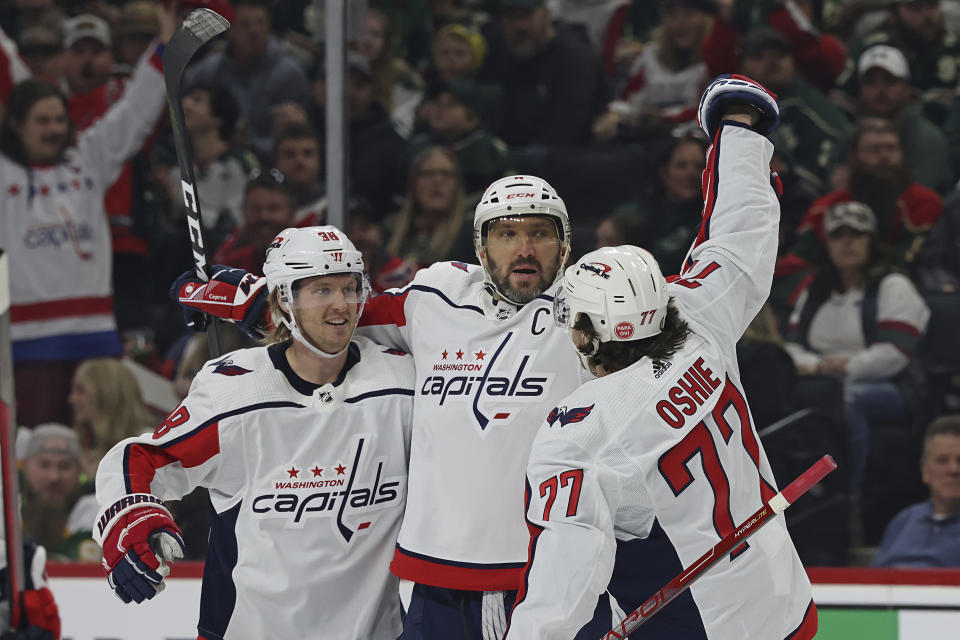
201, 26
12, 538
775, 506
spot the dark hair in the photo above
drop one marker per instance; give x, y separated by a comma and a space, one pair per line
944, 425
223, 106
294, 131
872, 125
655, 188
272, 180
827, 278
630, 225
19, 103
614, 356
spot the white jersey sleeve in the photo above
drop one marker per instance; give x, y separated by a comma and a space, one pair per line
729, 270
105, 147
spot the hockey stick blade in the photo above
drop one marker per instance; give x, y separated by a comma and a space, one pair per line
776, 505
198, 28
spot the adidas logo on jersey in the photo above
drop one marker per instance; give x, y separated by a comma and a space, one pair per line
660, 367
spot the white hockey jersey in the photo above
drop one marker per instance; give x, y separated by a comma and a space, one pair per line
53, 225
666, 453
487, 374
307, 487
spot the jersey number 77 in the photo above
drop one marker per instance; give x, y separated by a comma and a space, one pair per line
700, 440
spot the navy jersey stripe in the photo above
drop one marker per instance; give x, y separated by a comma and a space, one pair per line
380, 392
195, 430
218, 593
466, 565
441, 295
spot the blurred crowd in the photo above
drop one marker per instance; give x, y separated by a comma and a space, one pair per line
855, 353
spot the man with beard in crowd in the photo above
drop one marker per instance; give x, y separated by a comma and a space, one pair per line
298, 156
58, 511
552, 80
267, 210
878, 177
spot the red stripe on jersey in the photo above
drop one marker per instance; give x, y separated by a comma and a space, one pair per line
535, 532
448, 576
385, 309
143, 460
899, 326
808, 628
65, 308
710, 175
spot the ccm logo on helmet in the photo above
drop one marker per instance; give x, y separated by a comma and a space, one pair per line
623, 330
511, 196
596, 268
690, 392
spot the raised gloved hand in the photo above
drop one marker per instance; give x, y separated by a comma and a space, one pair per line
39, 616
231, 294
734, 89
138, 537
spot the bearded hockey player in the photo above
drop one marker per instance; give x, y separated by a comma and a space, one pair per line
303, 445
659, 455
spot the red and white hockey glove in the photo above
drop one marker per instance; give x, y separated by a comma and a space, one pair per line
731, 89
39, 617
231, 294
138, 537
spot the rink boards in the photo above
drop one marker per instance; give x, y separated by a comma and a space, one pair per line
874, 604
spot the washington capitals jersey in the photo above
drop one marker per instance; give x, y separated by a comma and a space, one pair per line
487, 372
640, 472
307, 486
54, 226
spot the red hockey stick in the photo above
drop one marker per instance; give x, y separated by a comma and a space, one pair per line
691, 574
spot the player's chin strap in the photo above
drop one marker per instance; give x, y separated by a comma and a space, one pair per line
291, 324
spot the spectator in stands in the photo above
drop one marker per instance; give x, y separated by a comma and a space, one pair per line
812, 131
879, 177
938, 264
41, 47
464, 113
136, 27
399, 88
552, 80
298, 156
669, 212
434, 223
221, 166
386, 271
107, 407
58, 510
268, 209
666, 80
885, 92
819, 57
927, 534
422, 23
623, 226
858, 321
600, 21
458, 54
256, 70
89, 62
52, 188
917, 28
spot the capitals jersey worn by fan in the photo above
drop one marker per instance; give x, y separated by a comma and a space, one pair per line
487, 373
307, 486
665, 453
53, 224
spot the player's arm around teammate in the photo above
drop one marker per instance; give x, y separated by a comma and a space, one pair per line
303, 445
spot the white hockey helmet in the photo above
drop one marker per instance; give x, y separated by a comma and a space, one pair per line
621, 290
298, 253
518, 196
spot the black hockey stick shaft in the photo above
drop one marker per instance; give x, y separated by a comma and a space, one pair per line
198, 28
772, 508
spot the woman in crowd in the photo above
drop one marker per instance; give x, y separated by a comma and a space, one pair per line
107, 407
858, 321
434, 223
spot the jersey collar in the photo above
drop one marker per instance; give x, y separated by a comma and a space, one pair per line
303, 387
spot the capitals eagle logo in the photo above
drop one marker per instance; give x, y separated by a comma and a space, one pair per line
568, 416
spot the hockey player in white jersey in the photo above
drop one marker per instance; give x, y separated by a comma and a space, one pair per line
303, 445
661, 449
490, 363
